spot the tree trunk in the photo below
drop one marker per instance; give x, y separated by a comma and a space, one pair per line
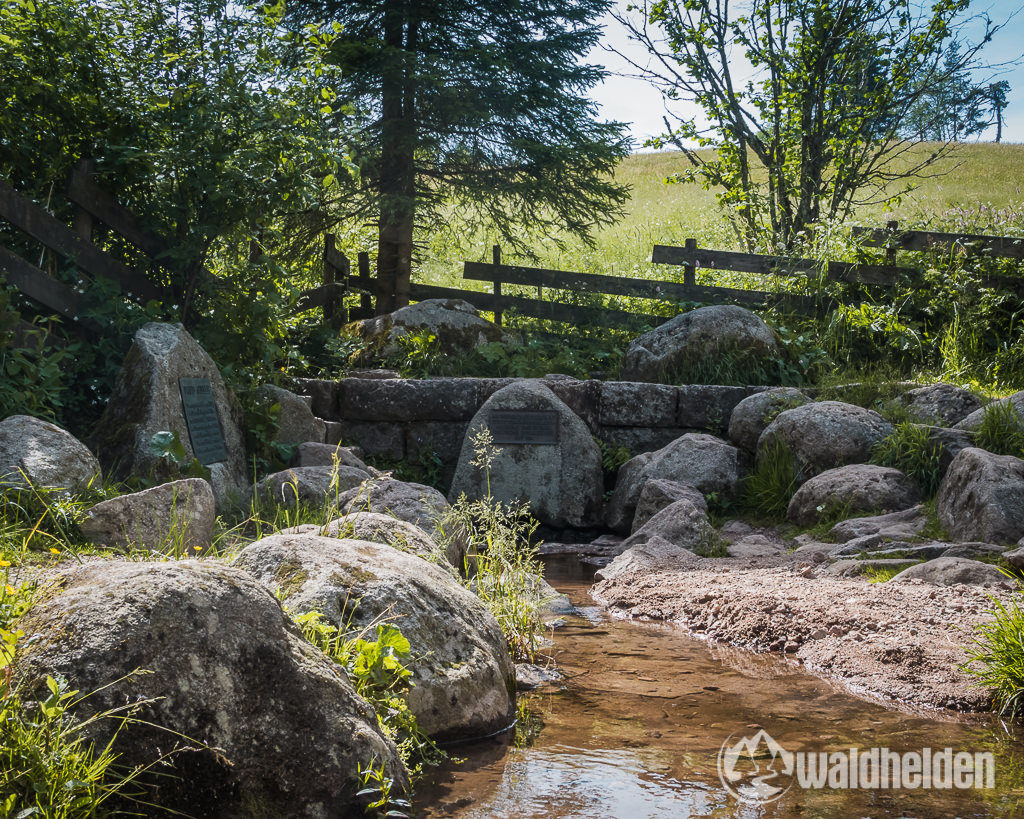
397, 172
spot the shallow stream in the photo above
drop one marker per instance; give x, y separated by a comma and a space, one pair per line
636, 727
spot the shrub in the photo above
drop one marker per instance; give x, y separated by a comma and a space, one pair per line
997, 657
376, 669
911, 450
501, 567
772, 484
49, 764
1001, 430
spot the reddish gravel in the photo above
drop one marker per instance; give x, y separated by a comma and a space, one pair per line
900, 642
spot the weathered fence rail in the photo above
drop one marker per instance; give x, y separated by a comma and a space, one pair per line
92, 203
693, 258
75, 245
891, 237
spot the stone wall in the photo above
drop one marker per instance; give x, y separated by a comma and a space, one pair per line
403, 419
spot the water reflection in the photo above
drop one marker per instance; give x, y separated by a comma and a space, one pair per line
636, 727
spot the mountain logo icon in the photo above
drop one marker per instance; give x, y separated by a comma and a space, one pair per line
756, 769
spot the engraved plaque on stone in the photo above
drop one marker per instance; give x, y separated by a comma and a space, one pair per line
203, 422
523, 427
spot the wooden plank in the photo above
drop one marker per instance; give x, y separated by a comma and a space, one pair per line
336, 259
94, 200
35, 284
552, 311
1012, 283
44, 228
777, 265
637, 288
882, 275
320, 296
496, 282
1009, 247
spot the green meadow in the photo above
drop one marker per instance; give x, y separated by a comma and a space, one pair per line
976, 187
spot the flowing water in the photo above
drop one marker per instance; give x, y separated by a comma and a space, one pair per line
635, 730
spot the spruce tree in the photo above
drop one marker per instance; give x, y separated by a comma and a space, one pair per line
472, 102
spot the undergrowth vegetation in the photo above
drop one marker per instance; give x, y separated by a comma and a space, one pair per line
769, 487
50, 764
912, 450
377, 669
501, 563
997, 656
1001, 429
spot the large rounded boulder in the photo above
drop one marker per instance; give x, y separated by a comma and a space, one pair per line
37, 452
414, 503
1013, 402
704, 462
462, 673
391, 531
658, 493
559, 476
754, 413
982, 497
680, 345
952, 571
824, 435
456, 325
177, 518
147, 399
940, 404
281, 730
851, 490
294, 420
312, 485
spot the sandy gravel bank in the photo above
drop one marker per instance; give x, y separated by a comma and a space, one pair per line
896, 641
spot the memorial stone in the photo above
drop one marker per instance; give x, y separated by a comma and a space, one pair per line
162, 387
547, 457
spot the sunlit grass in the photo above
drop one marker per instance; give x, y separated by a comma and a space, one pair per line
976, 188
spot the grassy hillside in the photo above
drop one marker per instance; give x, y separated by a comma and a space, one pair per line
977, 188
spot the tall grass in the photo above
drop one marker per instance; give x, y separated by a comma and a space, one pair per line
768, 489
501, 565
1001, 429
910, 449
977, 189
997, 656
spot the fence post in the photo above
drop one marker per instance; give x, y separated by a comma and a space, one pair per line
690, 270
330, 277
890, 252
365, 299
496, 258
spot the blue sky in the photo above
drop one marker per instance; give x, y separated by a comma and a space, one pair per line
640, 105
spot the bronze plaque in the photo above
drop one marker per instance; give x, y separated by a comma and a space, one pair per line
203, 422
523, 427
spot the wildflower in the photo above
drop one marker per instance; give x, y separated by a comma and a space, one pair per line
54, 551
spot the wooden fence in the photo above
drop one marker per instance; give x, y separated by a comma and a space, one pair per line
74, 244
892, 239
693, 258
92, 203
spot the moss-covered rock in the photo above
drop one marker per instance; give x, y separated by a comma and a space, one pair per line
456, 325
461, 666
147, 399
283, 729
